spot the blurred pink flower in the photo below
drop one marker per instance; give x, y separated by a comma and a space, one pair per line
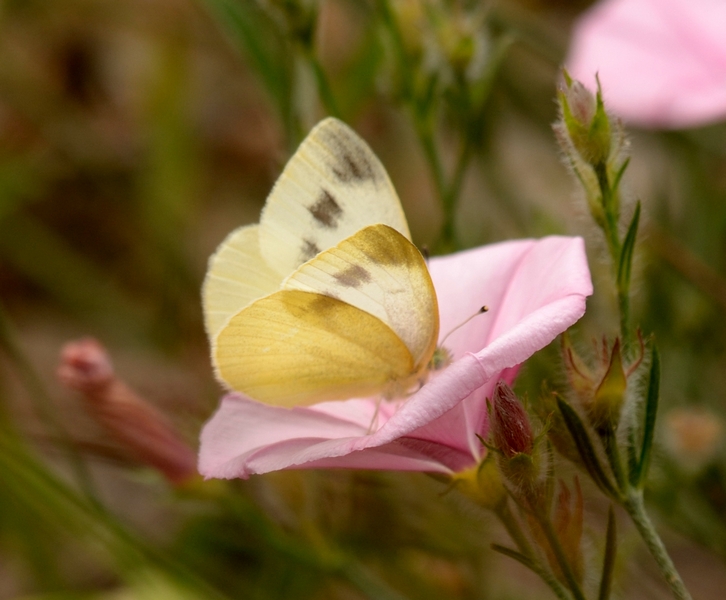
534, 291
661, 63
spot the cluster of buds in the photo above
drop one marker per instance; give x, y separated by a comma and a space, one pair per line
555, 524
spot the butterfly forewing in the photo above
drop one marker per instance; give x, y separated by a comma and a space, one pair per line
332, 187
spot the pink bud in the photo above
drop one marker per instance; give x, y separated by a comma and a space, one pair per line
86, 367
510, 424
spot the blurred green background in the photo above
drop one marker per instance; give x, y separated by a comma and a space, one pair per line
135, 135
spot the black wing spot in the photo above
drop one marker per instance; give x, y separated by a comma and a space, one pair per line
309, 250
352, 158
353, 167
353, 276
326, 210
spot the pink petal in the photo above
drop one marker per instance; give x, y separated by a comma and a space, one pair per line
661, 63
535, 290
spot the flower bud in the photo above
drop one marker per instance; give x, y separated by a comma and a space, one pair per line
142, 429
512, 435
585, 121
568, 524
604, 410
511, 430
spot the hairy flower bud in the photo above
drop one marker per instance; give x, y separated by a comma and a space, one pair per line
511, 430
606, 406
585, 121
512, 435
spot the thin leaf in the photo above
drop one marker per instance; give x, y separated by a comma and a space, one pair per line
254, 32
626, 253
546, 576
651, 410
584, 446
611, 549
518, 556
619, 174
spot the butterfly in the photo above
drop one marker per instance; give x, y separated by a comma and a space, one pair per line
326, 298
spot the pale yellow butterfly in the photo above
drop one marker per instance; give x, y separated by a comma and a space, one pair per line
326, 298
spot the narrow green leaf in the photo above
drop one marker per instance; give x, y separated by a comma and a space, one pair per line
254, 32
611, 550
518, 556
584, 446
619, 174
626, 252
651, 410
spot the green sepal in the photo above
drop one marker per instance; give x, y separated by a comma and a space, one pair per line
605, 408
608, 563
638, 475
587, 452
626, 253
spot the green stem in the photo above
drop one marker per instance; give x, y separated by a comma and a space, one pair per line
520, 539
611, 450
447, 192
635, 507
610, 229
611, 217
399, 47
426, 137
324, 89
514, 530
450, 198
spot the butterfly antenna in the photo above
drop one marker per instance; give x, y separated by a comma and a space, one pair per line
481, 311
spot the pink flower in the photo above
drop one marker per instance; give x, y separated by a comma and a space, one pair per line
534, 291
661, 63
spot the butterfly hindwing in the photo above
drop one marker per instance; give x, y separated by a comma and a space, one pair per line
381, 272
295, 347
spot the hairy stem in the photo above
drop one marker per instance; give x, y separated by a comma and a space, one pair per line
635, 507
